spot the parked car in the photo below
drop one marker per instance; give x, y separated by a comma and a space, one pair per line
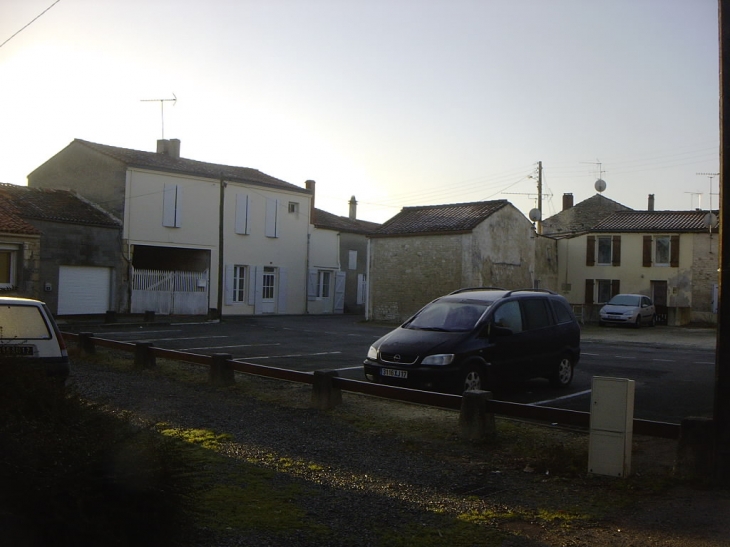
628, 309
472, 338
28, 331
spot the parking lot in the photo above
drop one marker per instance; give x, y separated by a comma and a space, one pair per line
673, 367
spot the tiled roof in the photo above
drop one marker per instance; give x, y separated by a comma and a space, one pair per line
328, 221
54, 206
10, 220
163, 162
653, 221
433, 219
581, 216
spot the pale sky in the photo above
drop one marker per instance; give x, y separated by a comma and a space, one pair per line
398, 102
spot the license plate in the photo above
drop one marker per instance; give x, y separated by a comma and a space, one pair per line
9, 350
394, 373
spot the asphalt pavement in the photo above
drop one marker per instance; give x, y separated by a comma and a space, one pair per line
660, 336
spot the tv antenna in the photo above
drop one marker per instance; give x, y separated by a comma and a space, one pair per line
600, 184
162, 108
710, 176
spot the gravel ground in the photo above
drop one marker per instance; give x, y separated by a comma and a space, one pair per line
380, 486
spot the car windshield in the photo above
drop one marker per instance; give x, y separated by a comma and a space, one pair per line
449, 316
625, 300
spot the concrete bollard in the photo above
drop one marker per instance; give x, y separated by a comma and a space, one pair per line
149, 316
475, 423
325, 395
86, 344
144, 357
695, 449
221, 373
110, 317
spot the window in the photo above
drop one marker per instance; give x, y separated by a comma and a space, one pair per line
562, 311
269, 283
293, 207
607, 288
604, 250
239, 283
352, 260
509, 315
7, 268
172, 206
662, 256
537, 313
604, 290
323, 284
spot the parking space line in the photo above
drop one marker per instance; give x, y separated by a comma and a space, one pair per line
185, 338
236, 346
570, 396
288, 356
347, 368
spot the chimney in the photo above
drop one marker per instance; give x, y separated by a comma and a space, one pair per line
567, 201
353, 208
169, 147
310, 184
651, 202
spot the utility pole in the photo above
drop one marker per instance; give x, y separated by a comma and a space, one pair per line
539, 196
721, 411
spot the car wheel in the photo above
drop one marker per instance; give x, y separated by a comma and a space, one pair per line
563, 375
637, 323
653, 321
472, 378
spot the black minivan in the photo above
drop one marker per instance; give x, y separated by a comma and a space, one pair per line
472, 338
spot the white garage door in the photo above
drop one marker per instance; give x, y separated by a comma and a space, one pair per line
83, 289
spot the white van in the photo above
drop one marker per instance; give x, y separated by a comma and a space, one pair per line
28, 330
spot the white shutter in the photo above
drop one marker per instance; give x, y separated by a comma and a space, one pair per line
228, 285
361, 288
340, 291
272, 213
312, 280
253, 280
259, 291
282, 291
242, 208
171, 202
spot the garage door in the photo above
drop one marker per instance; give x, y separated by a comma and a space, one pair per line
83, 289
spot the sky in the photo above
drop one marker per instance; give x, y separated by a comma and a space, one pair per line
396, 102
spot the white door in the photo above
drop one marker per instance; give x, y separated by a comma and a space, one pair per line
83, 290
268, 290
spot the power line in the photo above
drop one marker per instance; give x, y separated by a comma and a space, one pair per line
29, 24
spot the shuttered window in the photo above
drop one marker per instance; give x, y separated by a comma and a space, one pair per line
674, 251
589, 291
590, 251
646, 260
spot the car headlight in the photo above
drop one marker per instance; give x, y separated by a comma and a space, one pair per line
440, 359
372, 353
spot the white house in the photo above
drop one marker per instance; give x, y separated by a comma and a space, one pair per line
197, 236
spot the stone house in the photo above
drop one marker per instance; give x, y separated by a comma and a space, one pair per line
58, 247
425, 252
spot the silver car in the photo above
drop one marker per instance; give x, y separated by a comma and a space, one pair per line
628, 309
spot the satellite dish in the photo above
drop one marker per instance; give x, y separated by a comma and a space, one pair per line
535, 215
710, 220
600, 185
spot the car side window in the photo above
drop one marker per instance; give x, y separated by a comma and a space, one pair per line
645, 301
537, 313
508, 315
562, 311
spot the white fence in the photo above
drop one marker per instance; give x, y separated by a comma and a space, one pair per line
170, 292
